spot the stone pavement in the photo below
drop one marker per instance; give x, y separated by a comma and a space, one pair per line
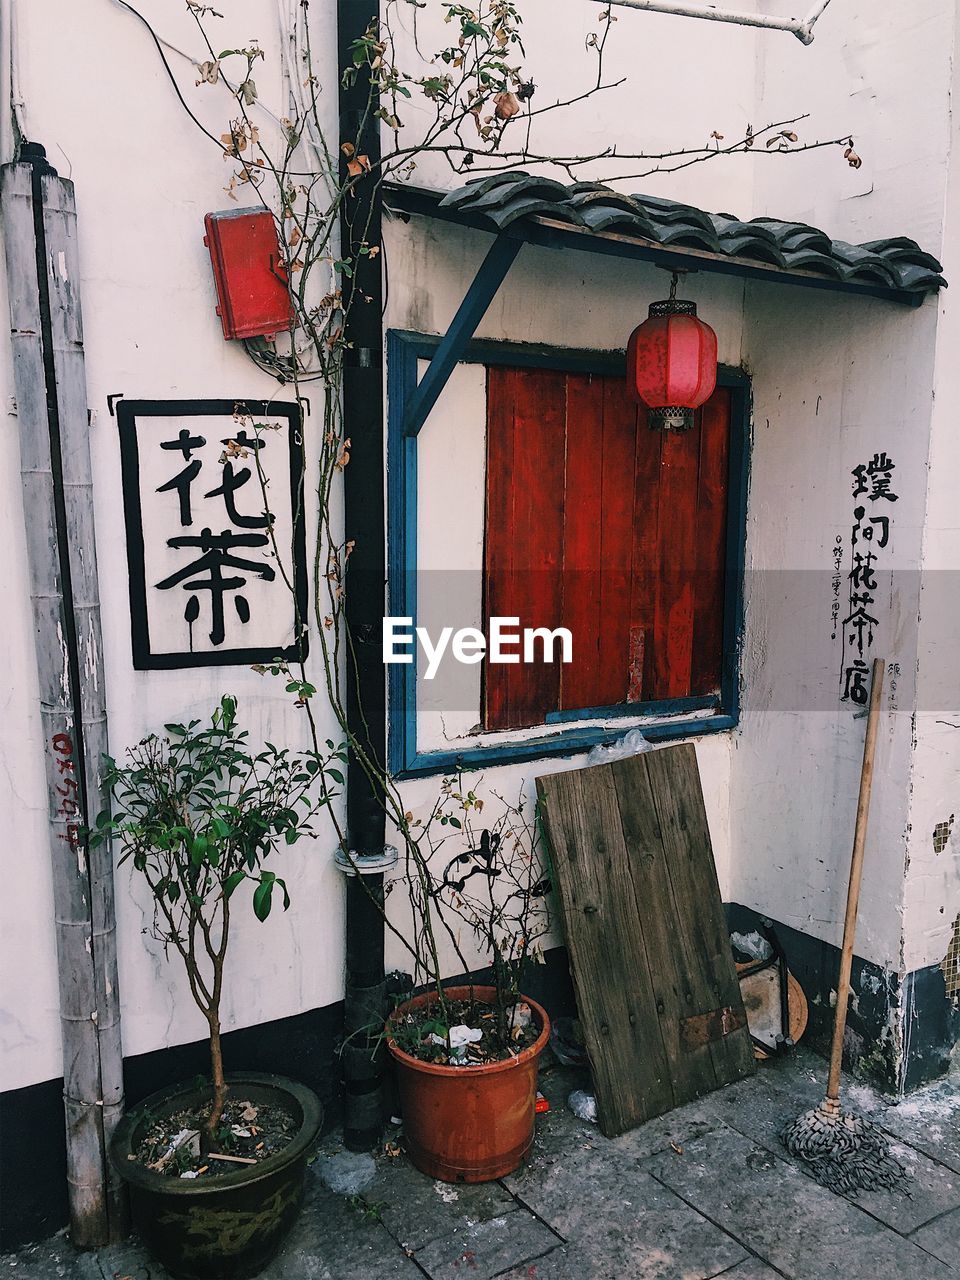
706, 1191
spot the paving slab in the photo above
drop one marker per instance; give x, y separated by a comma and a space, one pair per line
607, 1207
942, 1238
784, 1217
56, 1258
618, 1262
559, 1133
481, 1250
612, 1255
751, 1269
777, 1098
416, 1209
928, 1120
335, 1240
663, 1133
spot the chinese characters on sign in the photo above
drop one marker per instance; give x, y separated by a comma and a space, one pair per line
214, 514
836, 584
870, 535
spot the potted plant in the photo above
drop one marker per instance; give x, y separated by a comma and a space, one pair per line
466, 1056
215, 1170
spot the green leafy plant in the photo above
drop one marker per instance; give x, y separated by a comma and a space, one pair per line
198, 812
366, 1210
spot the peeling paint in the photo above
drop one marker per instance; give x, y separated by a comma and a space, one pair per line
951, 962
941, 834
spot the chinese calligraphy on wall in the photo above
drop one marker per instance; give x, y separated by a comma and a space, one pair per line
213, 507
874, 495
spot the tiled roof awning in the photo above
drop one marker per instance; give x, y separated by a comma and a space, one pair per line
589, 216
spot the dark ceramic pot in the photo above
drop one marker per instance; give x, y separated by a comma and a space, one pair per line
230, 1226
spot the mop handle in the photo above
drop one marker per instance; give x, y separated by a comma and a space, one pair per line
856, 870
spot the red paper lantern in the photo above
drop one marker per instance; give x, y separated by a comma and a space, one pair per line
672, 364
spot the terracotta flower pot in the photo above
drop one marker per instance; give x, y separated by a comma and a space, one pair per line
469, 1124
231, 1225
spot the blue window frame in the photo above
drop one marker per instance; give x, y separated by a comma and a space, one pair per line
671, 719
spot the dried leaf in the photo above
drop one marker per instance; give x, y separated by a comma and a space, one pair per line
209, 72
851, 157
358, 165
507, 105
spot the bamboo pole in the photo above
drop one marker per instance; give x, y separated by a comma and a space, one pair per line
40, 235
856, 873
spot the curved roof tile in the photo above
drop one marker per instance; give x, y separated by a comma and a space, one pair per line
514, 199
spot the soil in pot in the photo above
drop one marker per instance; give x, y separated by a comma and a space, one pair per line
472, 1122
207, 1219
247, 1135
422, 1032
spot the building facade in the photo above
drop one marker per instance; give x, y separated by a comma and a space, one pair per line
837, 402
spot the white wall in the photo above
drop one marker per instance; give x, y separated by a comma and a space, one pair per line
932, 892
674, 82
829, 393
882, 73
98, 99
835, 381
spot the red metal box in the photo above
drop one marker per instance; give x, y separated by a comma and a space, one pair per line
248, 272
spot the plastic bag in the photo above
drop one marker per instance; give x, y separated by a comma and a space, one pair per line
583, 1105
631, 744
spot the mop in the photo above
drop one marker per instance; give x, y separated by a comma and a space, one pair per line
843, 1151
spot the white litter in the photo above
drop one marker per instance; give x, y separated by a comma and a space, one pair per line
460, 1037
753, 945
631, 744
522, 1016
583, 1105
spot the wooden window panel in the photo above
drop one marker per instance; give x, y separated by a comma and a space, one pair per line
526, 412
598, 524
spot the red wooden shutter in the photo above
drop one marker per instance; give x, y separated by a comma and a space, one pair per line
526, 412
600, 525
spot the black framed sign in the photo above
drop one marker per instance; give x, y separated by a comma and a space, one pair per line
213, 506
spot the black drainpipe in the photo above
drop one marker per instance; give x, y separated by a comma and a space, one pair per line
365, 525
